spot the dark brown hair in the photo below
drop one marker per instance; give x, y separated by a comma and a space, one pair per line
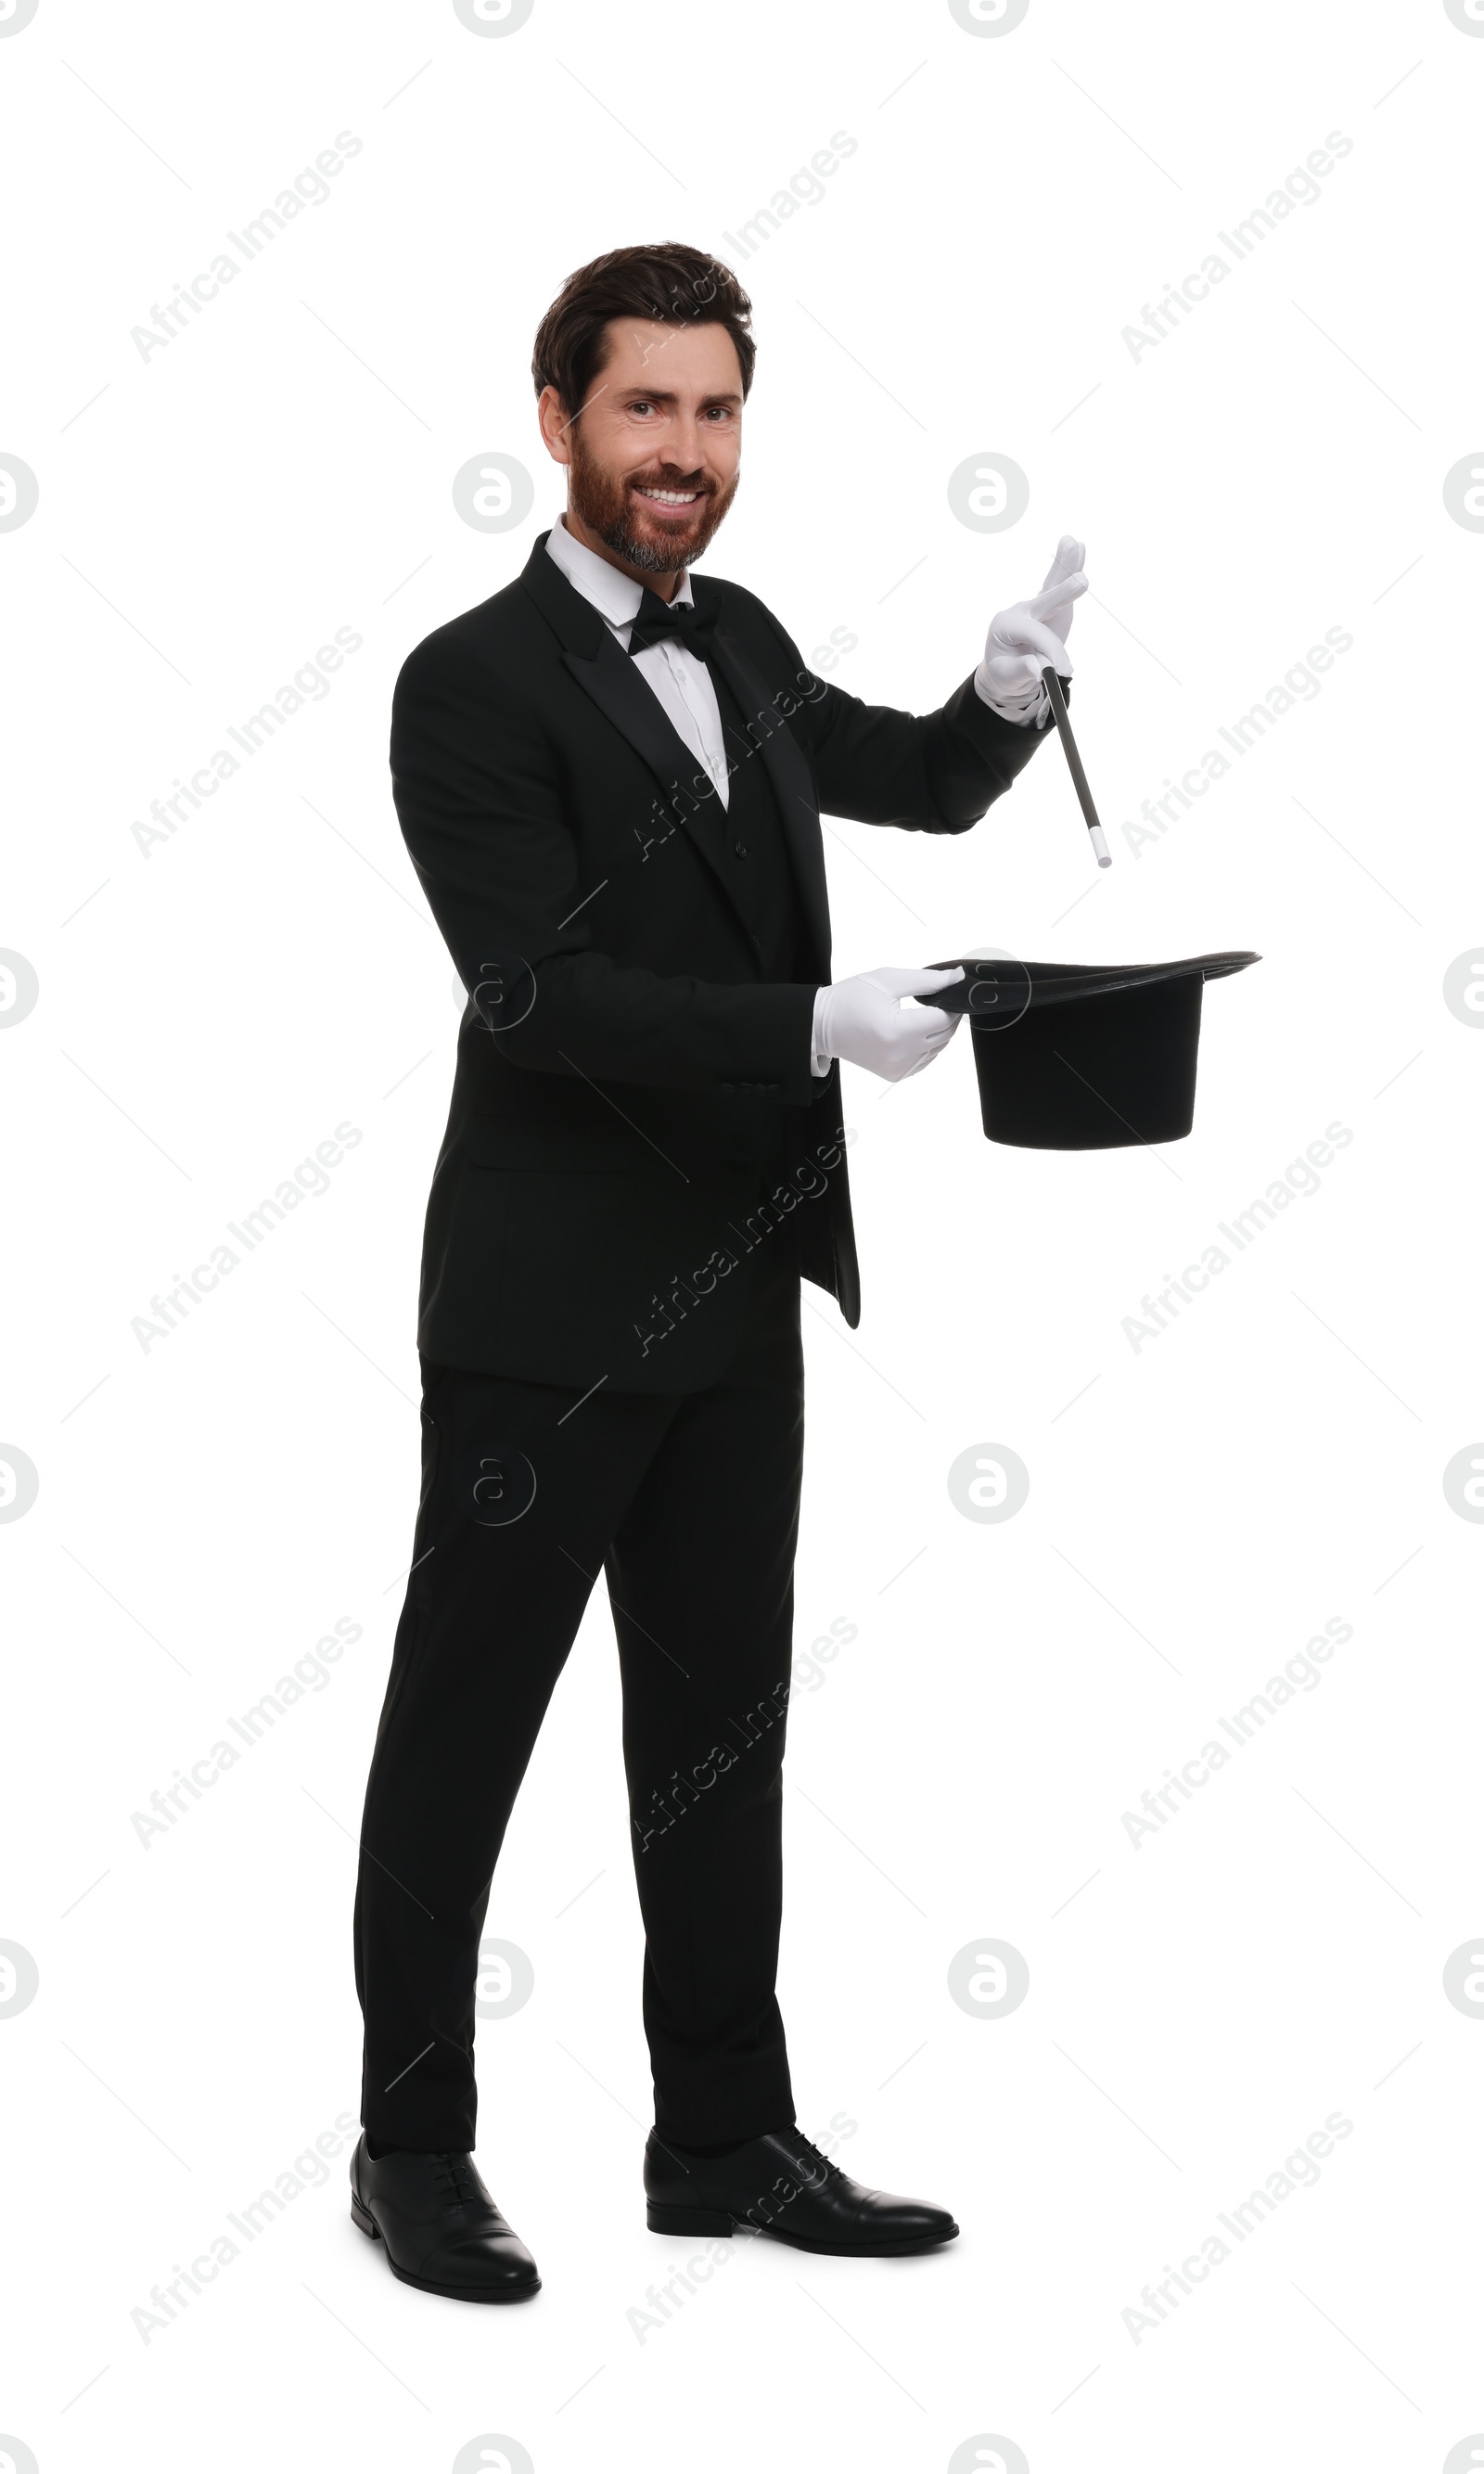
667, 281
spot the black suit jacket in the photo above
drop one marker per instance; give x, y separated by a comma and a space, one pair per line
627, 1067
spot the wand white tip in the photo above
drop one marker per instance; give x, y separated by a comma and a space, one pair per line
1104, 857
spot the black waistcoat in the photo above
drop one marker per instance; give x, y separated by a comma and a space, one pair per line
751, 836
763, 886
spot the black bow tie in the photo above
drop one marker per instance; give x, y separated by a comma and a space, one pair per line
692, 627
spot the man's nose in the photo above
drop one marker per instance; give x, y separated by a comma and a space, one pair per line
685, 445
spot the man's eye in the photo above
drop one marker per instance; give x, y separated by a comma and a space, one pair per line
642, 406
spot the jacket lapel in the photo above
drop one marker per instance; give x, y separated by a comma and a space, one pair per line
609, 677
591, 653
687, 795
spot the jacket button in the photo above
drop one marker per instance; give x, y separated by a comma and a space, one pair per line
740, 848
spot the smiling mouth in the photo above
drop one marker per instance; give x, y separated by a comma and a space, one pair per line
669, 502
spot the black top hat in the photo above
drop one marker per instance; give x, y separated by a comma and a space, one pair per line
1078, 1056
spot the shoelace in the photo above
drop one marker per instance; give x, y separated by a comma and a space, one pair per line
455, 2172
799, 2143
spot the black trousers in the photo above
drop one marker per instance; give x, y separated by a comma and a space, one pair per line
690, 1506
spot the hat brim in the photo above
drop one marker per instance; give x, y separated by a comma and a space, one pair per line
1083, 1057
1008, 986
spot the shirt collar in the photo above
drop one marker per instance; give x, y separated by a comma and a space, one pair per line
615, 595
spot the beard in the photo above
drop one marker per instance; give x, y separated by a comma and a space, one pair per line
640, 535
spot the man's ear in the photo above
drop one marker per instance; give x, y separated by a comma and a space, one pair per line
555, 426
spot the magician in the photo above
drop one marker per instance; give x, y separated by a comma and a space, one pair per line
610, 777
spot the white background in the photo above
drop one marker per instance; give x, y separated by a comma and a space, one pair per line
1199, 1507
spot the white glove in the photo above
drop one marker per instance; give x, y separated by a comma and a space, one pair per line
865, 1021
1023, 638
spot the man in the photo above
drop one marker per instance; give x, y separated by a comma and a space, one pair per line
610, 777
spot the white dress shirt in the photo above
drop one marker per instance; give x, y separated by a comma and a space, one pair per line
683, 684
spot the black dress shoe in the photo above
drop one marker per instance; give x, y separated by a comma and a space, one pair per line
783, 2184
442, 2231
